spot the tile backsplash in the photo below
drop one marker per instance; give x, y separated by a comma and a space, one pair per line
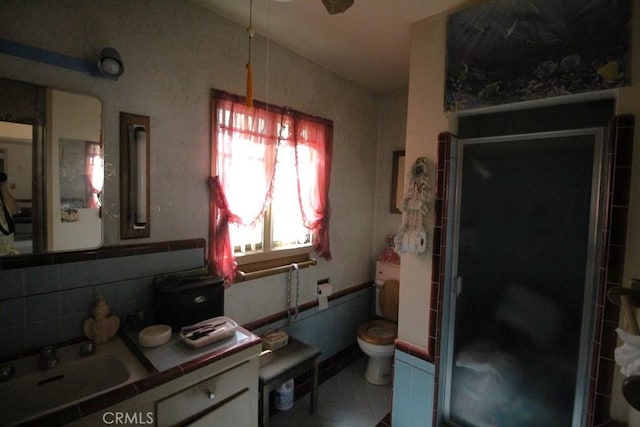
47, 304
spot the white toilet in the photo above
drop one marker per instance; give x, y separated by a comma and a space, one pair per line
376, 338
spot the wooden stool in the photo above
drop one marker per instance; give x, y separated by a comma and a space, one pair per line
288, 362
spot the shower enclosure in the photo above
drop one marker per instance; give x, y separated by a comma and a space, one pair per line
521, 278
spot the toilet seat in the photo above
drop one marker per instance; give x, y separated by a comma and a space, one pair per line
378, 332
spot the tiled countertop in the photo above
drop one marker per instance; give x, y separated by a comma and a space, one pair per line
176, 353
164, 363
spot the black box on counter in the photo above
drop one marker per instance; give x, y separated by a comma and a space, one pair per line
188, 297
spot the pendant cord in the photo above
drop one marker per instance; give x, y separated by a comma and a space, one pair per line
250, 29
268, 49
251, 32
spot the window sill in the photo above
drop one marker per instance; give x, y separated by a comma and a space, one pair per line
255, 270
273, 254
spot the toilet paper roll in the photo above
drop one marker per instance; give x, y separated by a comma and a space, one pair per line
324, 290
406, 237
414, 241
420, 241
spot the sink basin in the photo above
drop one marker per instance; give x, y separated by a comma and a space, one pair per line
33, 392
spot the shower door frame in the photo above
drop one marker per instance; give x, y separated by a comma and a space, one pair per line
452, 285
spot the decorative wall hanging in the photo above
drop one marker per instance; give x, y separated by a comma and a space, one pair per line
412, 235
507, 51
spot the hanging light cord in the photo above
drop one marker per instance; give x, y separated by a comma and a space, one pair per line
250, 30
268, 48
251, 33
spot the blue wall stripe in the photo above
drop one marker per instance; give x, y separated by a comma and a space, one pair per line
10, 47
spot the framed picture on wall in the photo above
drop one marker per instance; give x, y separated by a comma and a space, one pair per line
397, 181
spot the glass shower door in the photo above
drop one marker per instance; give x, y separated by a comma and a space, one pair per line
524, 227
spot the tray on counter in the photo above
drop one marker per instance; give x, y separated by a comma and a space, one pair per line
208, 331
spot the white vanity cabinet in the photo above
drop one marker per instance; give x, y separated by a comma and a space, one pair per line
231, 413
222, 393
221, 399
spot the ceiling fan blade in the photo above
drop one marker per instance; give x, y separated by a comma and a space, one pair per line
337, 6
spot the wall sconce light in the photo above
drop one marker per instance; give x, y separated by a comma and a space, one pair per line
134, 176
139, 139
109, 63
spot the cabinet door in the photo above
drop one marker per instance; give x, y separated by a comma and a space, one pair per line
231, 413
204, 395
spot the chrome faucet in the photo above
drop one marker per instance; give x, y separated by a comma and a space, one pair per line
48, 358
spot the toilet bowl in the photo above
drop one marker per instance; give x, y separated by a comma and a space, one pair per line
376, 338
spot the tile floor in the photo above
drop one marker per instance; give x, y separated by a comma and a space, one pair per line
344, 400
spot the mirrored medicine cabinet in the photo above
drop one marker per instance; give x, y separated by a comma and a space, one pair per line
51, 150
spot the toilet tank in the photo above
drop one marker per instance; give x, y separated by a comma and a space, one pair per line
385, 271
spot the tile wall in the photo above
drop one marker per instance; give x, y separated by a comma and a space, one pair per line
614, 234
413, 388
331, 330
46, 303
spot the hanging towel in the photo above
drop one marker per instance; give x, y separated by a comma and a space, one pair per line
627, 356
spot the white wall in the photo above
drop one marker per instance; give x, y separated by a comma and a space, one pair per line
174, 53
392, 123
425, 120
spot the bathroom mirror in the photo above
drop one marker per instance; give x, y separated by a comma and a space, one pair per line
51, 151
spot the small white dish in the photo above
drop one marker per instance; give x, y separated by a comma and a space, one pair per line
154, 335
208, 331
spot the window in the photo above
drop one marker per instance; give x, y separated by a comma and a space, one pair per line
94, 168
270, 182
286, 226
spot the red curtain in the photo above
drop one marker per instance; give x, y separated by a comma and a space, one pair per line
95, 174
220, 249
243, 167
313, 144
246, 145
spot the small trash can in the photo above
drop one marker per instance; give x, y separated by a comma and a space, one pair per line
284, 396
